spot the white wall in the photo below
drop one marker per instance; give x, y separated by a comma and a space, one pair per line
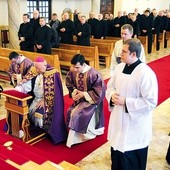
4, 12
83, 6
129, 5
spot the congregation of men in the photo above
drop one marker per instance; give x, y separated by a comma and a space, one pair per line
148, 23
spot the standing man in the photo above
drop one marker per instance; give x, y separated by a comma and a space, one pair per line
118, 22
100, 29
54, 22
35, 21
83, 32
66, 29
92, 21
25, 34
146, 24
43, 38
19, 67
85, 116
126, 33
47, 108
131, 104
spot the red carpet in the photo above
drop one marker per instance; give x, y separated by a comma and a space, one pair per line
57, 153
161, 68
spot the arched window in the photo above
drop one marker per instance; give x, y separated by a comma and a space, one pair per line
43, 6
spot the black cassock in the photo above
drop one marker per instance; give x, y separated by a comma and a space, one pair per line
35, 24
92, 22
43, 37
147, 24
67, 36
117, 30
26, 31
100, 29
84, 39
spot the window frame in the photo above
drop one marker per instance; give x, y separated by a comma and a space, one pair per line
39, 5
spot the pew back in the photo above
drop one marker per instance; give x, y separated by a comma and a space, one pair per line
90, 53
52, 60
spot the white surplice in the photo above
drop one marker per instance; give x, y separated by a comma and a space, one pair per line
132, 130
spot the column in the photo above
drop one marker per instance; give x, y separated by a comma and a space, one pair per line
117, 6
14, 20
95, 7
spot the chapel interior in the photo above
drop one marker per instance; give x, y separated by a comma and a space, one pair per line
10, 19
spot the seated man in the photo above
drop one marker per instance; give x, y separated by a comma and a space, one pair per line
47, 108
87, 89
19, 67
126, 33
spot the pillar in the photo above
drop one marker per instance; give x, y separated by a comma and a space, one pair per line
95, 7
117, 6
14, 20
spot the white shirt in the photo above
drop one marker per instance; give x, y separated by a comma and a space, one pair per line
132, 130
117, 51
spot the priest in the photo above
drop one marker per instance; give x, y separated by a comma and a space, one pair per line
47, 108
85, 117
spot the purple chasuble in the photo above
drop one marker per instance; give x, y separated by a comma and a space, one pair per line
80, 112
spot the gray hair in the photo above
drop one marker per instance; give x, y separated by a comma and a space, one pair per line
127, 26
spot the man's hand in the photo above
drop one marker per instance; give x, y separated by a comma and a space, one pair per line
22, 38
118, 100
62, 29
39, 46
40, 104
77, 95
80, 33
14, 76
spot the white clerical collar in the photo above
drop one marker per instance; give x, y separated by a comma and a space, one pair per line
86, 68
22, 58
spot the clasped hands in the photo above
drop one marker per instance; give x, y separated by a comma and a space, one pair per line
77, 95
117, 99
39, 46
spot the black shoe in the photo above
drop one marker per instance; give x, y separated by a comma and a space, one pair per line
1, 89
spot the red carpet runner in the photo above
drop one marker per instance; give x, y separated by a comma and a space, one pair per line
57, 153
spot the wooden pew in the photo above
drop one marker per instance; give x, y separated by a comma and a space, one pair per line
5, 63
105, 50
65, 56
168, 38
160, 42
52, 60
144, 41
90, 53
105, 47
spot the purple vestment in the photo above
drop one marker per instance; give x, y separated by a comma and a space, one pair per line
54, 123
80, 112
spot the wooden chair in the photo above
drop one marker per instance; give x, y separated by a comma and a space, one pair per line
4, 37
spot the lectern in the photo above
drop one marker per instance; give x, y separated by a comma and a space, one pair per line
16, 105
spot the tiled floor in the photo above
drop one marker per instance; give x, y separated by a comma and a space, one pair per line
100, 158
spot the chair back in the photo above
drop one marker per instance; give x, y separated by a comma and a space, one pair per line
4, 37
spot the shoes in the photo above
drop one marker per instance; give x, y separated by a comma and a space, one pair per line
1, 89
